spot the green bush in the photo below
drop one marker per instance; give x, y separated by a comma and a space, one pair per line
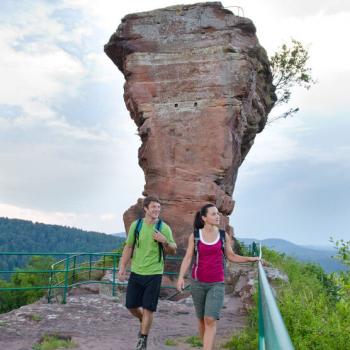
10, 300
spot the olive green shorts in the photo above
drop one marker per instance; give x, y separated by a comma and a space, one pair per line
208, 298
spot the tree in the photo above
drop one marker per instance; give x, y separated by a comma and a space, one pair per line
289, 70
343, 251
342, 279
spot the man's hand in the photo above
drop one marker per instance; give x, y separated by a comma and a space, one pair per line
159, 237
122, 275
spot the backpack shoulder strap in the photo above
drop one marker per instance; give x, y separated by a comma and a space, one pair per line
223, 240
196, 240
160, 245
137, 234
138, 229
196, 252
159, 225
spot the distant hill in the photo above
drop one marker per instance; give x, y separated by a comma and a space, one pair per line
26, 236
319, 255
119, 234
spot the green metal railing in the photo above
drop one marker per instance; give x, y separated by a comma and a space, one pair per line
69, 273
76, 269
273, 334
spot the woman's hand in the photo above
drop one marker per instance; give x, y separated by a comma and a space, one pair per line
180, 285
254, 258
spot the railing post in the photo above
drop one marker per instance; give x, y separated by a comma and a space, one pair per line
114, 269
65, 290
73, 274
255, 249
50, 289
90, 257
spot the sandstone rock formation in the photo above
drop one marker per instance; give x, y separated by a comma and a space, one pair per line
199, 88
241, 281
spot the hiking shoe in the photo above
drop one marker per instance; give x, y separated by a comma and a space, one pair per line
141, 343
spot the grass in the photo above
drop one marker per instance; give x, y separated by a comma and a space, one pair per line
50, 342
36, 318
170, 342
194, 341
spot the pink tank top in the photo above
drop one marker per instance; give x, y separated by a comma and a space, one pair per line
210, 266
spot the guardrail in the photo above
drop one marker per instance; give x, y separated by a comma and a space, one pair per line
76, 269
273, 334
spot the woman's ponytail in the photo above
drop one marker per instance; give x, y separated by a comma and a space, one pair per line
198, 221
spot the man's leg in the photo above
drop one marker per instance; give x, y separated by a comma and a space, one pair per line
150, 301
134, 294
147, 320
137, 312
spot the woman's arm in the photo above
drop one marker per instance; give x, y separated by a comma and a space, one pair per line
186, 262
233, 257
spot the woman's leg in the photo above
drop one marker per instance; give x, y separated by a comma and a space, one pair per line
209, 333
201, 328
198, 292
213, 305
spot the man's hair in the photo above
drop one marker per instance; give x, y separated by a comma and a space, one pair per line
149, 199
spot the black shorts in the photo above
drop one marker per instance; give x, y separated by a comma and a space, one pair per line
143, 291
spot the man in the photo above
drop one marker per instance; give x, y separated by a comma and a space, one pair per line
145, 250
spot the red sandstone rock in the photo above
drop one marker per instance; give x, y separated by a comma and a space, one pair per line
199, 87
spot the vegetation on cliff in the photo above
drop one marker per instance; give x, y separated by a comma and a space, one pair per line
314, 305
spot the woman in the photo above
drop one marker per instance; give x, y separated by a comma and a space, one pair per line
207, 286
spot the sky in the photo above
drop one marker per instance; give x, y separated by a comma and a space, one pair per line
68, 147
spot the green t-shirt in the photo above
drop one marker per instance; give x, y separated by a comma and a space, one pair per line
145, 260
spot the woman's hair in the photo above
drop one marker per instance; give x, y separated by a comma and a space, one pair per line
198, 221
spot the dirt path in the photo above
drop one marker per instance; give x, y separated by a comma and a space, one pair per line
100, 323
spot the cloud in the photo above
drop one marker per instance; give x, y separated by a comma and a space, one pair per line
68, 147
290, 8
32, 61
108, 217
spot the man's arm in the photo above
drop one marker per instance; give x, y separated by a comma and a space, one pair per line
126, 256
169, 247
